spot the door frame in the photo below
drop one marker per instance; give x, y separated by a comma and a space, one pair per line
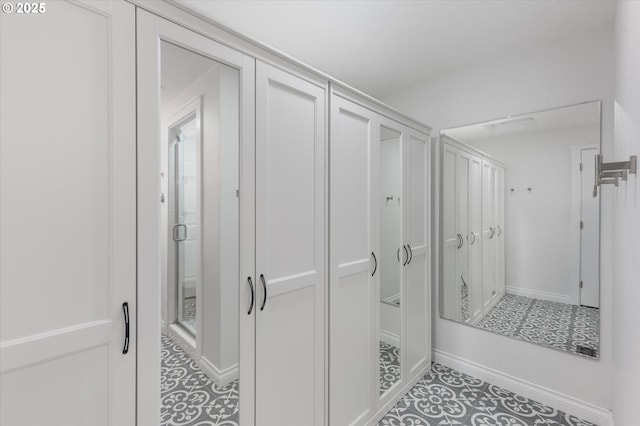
151, 30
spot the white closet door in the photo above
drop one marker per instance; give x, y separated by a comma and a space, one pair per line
474, 238
462, 272
450, 298
290, 235
488, 235
67, 215
353, 332
416, 305
500, 237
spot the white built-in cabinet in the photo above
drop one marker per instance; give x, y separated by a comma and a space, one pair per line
81, 232
355, 259
290, 249
493, 251
68, 215
473, 251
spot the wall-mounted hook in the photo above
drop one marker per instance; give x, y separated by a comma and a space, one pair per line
611, 173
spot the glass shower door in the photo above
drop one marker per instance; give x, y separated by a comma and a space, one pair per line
186, 232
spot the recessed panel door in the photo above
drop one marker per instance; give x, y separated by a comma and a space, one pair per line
68, 216
474, 239
290, 235
416, 298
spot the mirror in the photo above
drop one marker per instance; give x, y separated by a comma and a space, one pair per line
520, 227
391, 256
200, 212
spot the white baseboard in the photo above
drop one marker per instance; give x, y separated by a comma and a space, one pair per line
219, 377
390, 338
536, 294
568, 404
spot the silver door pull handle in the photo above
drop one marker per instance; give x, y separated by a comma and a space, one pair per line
460, 241
474, 238
493, 232
176, 232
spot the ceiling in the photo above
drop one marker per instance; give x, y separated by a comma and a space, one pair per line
383, 46
580, 115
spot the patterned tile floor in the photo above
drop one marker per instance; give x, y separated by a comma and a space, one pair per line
188, 396
553, 324
446, 397
443, 397
389, 366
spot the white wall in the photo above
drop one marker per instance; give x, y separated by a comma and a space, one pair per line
566, 72
626, 230
542, 249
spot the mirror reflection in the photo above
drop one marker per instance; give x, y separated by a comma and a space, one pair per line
520, 227
200, 212
391, 256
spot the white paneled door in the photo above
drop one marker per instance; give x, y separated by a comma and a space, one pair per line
353, 334
68, 215
290, 235
416, 298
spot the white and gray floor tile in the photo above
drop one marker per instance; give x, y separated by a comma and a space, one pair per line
446, 397
188, 396
553, 324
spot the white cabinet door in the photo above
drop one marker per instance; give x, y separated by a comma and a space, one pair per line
462, 272
474, 239
353, 335
450, 298
68, 215
290, 235
500, 237
416, 305
488, 235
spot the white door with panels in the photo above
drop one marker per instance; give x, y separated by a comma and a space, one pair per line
489, 273
379, 260
290, 249
68, 216
474, 239
161, 42
451, 297
353, 372
462, 212
417, 294
500, 233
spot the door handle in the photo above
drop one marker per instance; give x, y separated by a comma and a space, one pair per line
493, 232
406, 253
474, 238
398, 256
177, 227
499, 229
460, 241
264, 288
410, 254
252, 295
375, 266
125, 311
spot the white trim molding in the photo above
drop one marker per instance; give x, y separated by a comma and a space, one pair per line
537, 294
568, 404
220, 377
